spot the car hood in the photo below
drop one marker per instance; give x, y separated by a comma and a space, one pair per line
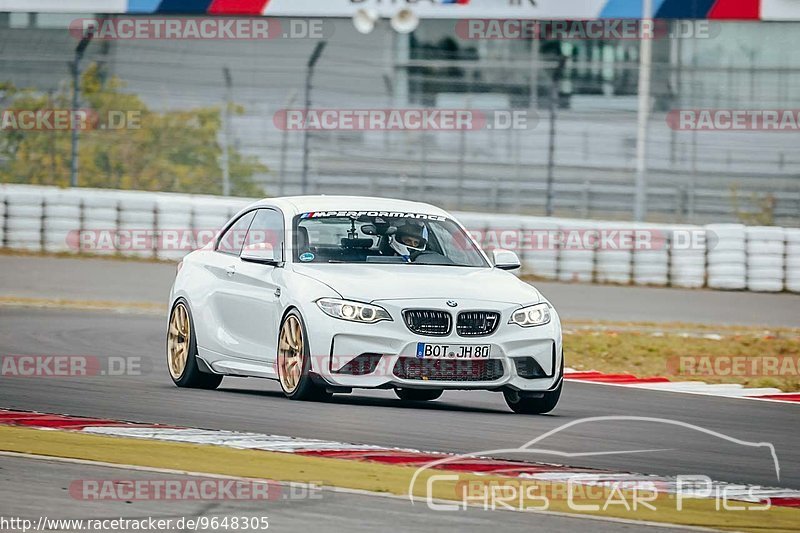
369, 283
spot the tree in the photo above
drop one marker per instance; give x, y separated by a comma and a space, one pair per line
129, 147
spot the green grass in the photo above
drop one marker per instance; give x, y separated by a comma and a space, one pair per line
652, 350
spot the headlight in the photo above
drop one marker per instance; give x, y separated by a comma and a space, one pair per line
533, 315
353, 311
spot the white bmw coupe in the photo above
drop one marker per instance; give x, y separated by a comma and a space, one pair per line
330, 293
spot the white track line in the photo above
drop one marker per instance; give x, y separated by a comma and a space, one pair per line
229, 439
278, 443
644, 386
720, 390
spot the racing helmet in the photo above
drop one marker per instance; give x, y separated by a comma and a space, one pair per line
409, 238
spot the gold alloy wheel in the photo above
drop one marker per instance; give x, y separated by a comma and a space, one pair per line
290, 354
178, 341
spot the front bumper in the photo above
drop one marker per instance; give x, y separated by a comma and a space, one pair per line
334, 343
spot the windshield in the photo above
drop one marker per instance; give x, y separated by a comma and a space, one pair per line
356, 237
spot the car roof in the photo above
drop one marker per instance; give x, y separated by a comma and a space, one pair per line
295, 205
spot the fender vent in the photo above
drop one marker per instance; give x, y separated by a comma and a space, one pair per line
362, 365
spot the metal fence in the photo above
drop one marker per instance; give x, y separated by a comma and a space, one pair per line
694, 177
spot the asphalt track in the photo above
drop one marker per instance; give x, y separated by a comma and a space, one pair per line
103, 279
30, 488
460, 422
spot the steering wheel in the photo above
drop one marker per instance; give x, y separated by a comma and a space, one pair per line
436, 258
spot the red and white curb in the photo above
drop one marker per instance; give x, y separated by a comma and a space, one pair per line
661, 383
378, 454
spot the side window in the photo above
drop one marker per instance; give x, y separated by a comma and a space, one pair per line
267, 227
233, 239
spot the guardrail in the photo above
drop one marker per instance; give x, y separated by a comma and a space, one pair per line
598, 193
169, 225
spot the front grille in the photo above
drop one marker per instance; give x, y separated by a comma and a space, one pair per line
428, 322
477, 323
448, 370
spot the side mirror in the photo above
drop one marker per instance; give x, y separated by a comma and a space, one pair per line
261, 253
505, 259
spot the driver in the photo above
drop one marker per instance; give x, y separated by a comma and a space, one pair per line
409, 239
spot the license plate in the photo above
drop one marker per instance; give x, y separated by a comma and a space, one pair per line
453, 351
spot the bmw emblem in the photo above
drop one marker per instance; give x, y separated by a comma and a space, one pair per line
452, 303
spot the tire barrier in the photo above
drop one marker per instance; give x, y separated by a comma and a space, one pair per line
727, 256
167, 226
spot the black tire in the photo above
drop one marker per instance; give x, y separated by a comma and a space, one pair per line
191, 377
533, 406
418, 395
306, 389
